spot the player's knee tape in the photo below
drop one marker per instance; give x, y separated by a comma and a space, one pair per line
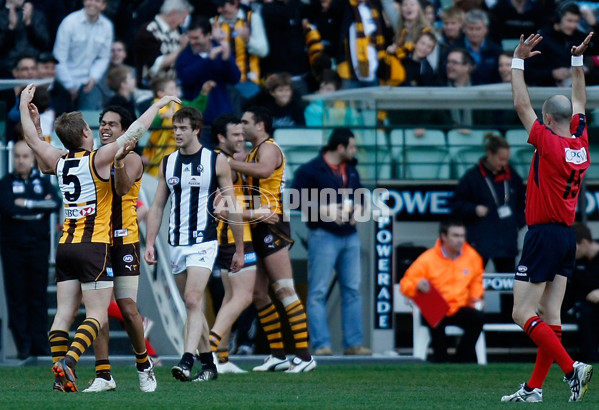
101, 284
285, 284
126, 287
134, 133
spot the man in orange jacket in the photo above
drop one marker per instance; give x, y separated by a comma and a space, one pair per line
456, 270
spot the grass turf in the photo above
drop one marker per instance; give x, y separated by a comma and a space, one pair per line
399, 386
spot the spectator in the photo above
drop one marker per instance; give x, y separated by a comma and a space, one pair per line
459, 68
418, 70
328, 19
364, 44
121, 81
451, 33
25, 69
60, 97
456, 270
26, 202
82, 49
333, 242
285, 34
22, 30
510, 18
411, 23
162, 140
490, 199
158, 43
317, 113
552, 67
118, 53
585, 287
245, 32
505, 119
205, 60
484, 51
279, 98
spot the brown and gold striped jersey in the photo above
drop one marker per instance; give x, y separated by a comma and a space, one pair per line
224, 233
268, 191
87, 199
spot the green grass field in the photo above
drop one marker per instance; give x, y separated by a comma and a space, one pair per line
400, 386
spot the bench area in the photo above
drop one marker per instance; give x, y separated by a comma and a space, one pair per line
494, 284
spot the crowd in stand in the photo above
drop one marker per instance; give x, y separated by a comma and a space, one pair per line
273, 52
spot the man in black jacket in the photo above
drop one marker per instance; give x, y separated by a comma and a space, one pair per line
26, 202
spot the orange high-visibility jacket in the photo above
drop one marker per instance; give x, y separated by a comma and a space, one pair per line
459, 280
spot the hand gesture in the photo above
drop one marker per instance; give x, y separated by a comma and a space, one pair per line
150, 255
124, 150
13, 18
166, 100
34, 114
89, 85
237, 262
207, 87
580, 49
423, 286
524, 49
266, 215
27, 13
27, 94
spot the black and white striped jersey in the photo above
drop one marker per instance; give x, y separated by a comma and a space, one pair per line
192, 182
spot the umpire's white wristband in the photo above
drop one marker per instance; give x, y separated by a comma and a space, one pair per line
576, 61
518, 63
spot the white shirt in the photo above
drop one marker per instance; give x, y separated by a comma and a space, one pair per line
82, 49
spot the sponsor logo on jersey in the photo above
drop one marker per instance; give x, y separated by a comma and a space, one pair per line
173, 181
128, 258
194, 181
119, 233
576, 156
76, 212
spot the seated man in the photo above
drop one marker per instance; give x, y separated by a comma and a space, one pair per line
456, 270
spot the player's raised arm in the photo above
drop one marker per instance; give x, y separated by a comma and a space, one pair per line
522, 102
106, 153
46, 155
579, 93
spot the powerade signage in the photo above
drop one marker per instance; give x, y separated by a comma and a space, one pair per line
383, 250
425, 201
592, 201
419, 201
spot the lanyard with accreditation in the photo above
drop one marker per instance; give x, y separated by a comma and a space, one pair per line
504, 211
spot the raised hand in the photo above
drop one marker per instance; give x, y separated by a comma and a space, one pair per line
578, 50
166, 100
524, 49
27, 94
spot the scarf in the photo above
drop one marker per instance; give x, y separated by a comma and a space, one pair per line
363, 41
249, 65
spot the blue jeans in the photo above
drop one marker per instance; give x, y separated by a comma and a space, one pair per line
341, 253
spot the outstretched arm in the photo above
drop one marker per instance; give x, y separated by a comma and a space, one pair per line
522, 103
47, 156
579, 93
106, 153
